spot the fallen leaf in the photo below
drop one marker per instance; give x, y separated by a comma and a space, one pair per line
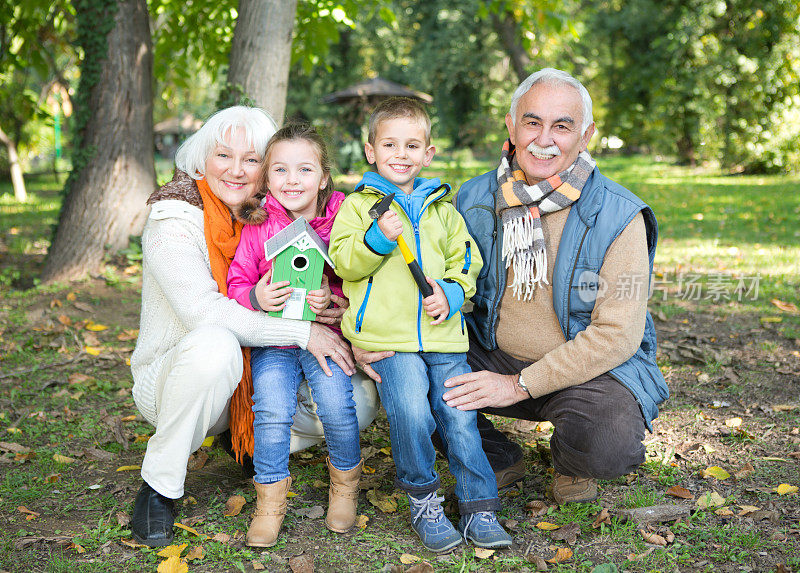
747, 510
190, 530
604, 517
483, 553
128, 468
563, 554
173, 564
196, 461
131, 543
733, 422
785, 306
221, 538
544, 427
744, 471
14, 447
31, 514
408, 559
538, 561
91, 350
784, 407
172, 550
126, 335
63, 459
717, 472
196, 552
94, 327
71, 296
653, 538
537, 507
723, 512
421, 567
679, 492
77, 548
130, 418
710, 499
771, 319
386, 503
302, 563
52, 478
781, 568
785, 489
257, 565
234, 505
64, 319
387, 450
640, 556
361, 521
547, 526
368, 470
568, 533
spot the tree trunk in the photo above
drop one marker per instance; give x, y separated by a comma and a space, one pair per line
17, 180
105, 202
261, 53
506, 28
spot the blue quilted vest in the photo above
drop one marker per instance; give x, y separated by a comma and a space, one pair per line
595, 220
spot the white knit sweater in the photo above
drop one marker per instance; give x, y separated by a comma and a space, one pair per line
179, 294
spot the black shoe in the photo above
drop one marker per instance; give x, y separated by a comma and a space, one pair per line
153, 517
248, 468
501, 452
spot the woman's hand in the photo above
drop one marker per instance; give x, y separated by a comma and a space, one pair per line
333, 314
272, 297
366, 357
324, 342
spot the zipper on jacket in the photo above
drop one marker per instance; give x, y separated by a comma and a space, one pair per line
572, 276
462, 321
363, 308
467, 259
415, 225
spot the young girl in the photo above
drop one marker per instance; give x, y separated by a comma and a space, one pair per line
296, 175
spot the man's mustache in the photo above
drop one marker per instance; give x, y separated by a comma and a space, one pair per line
549, 150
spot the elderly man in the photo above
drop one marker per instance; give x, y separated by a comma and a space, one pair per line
560, 329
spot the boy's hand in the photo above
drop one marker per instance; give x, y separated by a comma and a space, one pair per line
319, 300
436, 305
272, 297
391, 225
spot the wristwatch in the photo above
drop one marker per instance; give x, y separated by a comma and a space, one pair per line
521, 383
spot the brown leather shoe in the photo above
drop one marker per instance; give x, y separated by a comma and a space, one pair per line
342, 497
508, 476
573, 489
269, 513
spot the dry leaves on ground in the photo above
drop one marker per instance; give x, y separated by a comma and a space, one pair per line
233, 506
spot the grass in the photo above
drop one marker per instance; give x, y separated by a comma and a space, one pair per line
748, 232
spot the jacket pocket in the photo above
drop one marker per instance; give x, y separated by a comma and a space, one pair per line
363, 308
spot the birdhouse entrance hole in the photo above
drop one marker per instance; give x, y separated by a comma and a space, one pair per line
300, 262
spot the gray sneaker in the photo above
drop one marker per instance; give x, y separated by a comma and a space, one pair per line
483, 530
434, 529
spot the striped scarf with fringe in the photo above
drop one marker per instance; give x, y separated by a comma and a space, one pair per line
520, 207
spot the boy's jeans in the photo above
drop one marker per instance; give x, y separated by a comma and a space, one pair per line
411, 393
277, 373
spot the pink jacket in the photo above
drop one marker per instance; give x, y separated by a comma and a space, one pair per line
248, 264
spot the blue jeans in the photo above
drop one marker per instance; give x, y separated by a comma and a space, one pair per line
411, 393
277, 373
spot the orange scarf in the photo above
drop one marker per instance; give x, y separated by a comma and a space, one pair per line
222, 233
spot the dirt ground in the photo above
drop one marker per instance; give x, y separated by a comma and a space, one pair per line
733, 405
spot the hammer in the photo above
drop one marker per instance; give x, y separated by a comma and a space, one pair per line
378, 209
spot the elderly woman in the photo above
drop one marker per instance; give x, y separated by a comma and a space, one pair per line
191, 374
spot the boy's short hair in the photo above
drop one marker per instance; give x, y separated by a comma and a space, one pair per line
399, 107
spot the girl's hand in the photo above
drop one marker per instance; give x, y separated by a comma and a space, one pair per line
436, 305
391, 225
319, 300
333, 314
272, 297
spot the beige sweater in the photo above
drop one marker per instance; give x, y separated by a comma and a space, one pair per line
529, 330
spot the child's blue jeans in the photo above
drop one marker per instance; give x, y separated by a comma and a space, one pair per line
411, 393
277, 373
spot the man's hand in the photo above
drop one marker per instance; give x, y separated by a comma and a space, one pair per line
436, 305
272, 297
319, 300
391, 225
483, 389
324, 342
333, 314
366, 357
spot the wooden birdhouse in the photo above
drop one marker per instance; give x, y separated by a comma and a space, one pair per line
299, 257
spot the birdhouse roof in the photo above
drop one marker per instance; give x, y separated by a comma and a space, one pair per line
298, 234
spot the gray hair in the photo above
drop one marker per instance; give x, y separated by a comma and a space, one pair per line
258, 128
553, 76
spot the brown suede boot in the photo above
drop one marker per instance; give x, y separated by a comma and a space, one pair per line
573, 489
269, 513
342, 497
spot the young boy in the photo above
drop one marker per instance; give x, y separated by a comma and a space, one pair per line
387, 312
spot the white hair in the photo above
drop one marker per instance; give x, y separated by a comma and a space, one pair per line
257, 124
553, 76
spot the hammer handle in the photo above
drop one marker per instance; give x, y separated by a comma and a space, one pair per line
413, 266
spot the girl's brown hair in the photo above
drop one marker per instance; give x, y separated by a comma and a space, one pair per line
250, 211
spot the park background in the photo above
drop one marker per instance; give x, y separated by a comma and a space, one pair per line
697, 108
